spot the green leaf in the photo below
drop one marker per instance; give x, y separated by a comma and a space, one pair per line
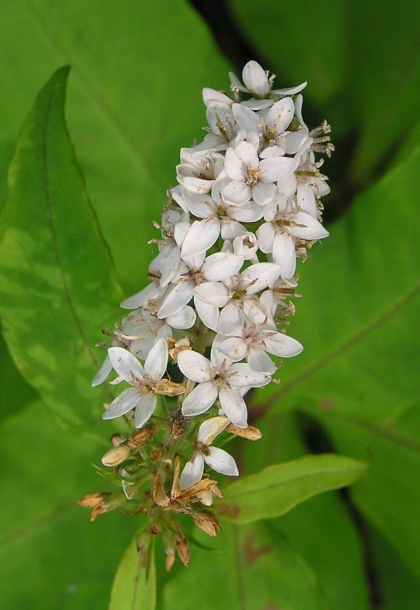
254, 568
321, 529
134, 585
56, 276
361, 354
392, 580
52, 554
356, 79
134, 100
279, 488
389, 495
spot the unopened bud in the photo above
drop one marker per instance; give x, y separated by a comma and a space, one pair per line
92, 500
117, 439
116, 455
142, 436
183, 550
170, 559
178, 425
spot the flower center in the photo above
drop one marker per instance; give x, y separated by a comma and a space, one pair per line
253, 176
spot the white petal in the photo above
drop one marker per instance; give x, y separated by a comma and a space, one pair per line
277, 168
221, 461
259, 361
211, 95
249, 212
157, 360
233, 166
140, 298
259, 276
126, 401
306, 200
237, 192
307, 227
195, 366
182, 319
201, 206
248, 155
176, 299
208, 314
125, 364
193, 472
263, 193
213, 293
284, 254
201, 399
201, 236
281, 114
234, 348
221, 265
256, 79
242, 375
265, 234
246, 118
230, 320
234, 406
280, 344
144, 409
210, 428
103, 372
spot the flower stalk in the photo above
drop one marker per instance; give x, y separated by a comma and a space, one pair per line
206, 328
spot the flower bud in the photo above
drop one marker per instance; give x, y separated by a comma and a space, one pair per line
116, 455
142, 436
183, 550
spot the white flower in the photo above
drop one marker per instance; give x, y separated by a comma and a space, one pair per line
220, 218
280, 236
215, 267
198, 170
251, 177
237, 296
142, 396
219, 379
258, 82
253, 344
218, 459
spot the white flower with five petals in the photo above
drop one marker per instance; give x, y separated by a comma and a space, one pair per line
218, 459
145, 381
218, 378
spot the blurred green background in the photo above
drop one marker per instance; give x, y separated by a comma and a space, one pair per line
134, 99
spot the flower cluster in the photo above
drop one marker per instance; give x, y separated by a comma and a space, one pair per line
206, 328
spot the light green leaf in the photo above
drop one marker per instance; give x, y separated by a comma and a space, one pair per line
134, 585
134, 100
279, 488
56, 276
